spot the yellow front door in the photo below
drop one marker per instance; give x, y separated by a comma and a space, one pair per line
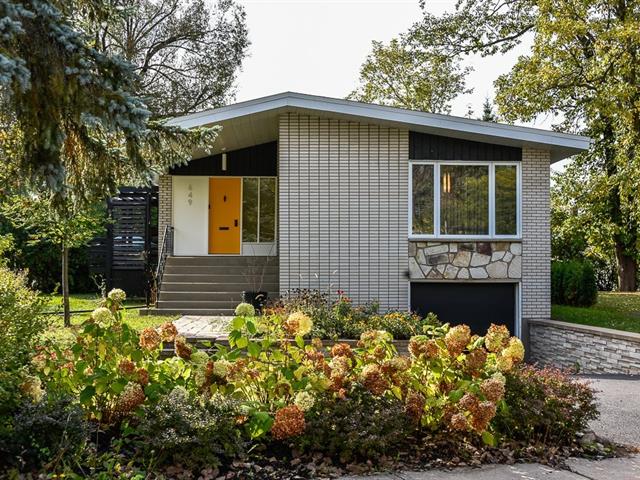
224, 215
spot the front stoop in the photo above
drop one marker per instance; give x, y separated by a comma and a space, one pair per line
213, 285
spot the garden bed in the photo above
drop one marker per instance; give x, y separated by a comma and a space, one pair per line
276, 402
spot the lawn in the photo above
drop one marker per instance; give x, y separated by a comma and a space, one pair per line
88, 301
620, 311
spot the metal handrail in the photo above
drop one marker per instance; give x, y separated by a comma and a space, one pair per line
165, 250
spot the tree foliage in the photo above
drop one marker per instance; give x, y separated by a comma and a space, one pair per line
401, 75
77, 126
185, 53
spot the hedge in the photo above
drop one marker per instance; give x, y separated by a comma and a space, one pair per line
573, 283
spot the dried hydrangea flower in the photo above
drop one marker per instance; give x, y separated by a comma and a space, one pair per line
421, 346
492, 389
182, 348
414, 406
221, 368
372, 338
117, 296
342, 350
457, 339
131, 398
476, 359
496, 338
515, 350
459, 422
298, 324
143, 377
245, 310
32, 388
469, 402
102, 316
317, 343
482, 416
373, 379
168, 332
150, 339
304, 400
504, 363
126, 367
289, 422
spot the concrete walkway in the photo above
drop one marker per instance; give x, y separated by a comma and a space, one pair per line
202, 327
578, 469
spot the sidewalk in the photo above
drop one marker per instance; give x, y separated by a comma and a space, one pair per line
578, 469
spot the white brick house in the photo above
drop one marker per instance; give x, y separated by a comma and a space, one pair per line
414, 210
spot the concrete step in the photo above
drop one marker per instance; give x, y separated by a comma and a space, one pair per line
226, 312
215, 287
198, 304
195, 296
216, 278
222, 260
244, 270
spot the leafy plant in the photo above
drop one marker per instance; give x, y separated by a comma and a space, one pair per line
191, 430
360, 427
48, 432
21, 324
545, 405
112, 369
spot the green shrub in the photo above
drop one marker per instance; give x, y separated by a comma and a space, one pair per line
193, 431
573, 283
544, 405
44, 432
21, 324
344, 320
360, 427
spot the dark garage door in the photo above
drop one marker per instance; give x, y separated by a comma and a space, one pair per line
478, 305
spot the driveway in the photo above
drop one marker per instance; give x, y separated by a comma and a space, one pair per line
619, 403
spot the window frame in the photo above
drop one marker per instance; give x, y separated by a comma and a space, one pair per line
492, 199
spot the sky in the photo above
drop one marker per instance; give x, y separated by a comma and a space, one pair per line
318, 46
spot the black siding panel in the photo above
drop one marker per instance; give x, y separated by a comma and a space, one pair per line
423, 146
256, 161
477, 305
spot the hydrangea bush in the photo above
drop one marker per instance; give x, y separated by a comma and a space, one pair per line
278, 384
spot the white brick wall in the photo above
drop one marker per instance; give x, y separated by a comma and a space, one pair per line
536, 236
164, 206
343, 208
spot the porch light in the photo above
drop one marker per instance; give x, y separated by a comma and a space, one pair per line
224, 161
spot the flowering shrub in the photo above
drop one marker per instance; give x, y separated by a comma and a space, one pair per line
341, 319
111, 368
544, 405
452, 380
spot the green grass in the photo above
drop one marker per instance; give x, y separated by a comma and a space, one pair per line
617, 310
86, 301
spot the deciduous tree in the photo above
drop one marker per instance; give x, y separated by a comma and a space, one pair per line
401, 74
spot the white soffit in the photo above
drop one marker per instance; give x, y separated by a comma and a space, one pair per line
256, 121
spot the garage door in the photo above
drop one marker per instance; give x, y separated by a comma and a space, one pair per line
478, 305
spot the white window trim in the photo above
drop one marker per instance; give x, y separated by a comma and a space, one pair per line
436, 201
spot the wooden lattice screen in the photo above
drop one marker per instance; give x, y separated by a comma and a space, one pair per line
127, 255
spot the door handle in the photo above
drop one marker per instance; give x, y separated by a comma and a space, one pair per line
223, 228
235, 222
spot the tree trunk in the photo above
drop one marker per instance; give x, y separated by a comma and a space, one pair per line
65, 286
627, 270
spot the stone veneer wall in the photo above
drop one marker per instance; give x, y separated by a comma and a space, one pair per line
165, 203
588, 349
465, 260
